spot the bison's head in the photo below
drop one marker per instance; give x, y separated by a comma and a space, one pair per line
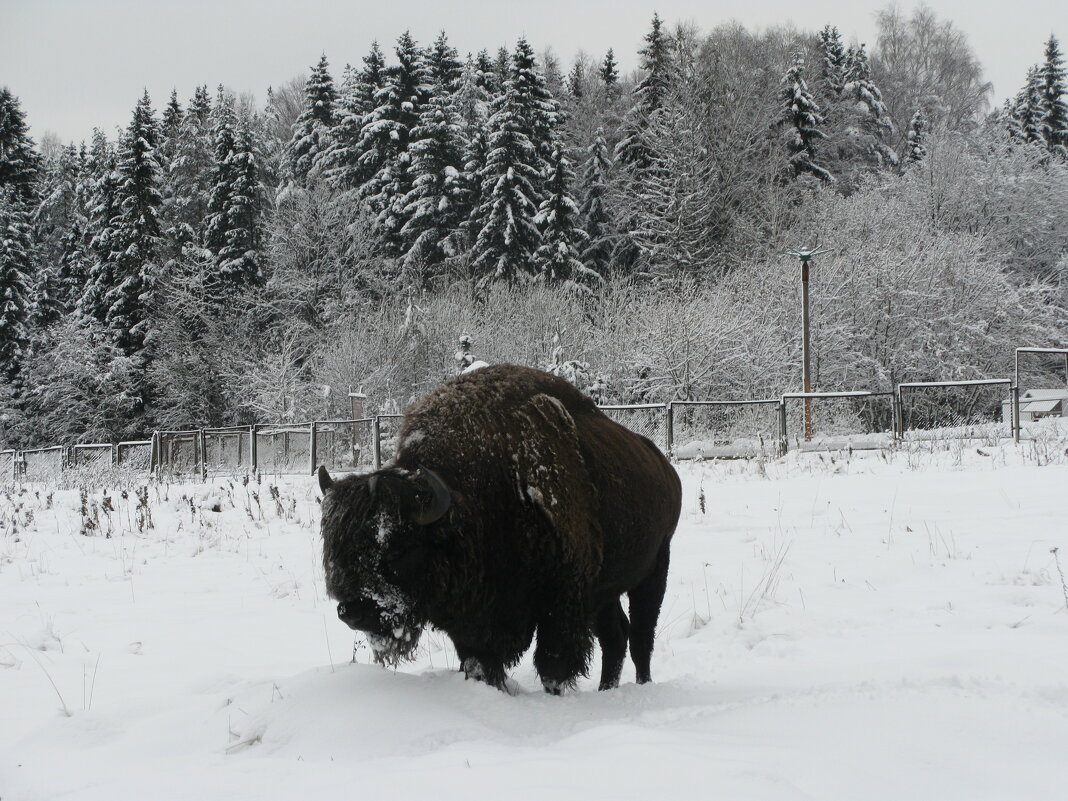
377, 553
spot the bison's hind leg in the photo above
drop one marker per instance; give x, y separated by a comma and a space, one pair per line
611, 629
645, 601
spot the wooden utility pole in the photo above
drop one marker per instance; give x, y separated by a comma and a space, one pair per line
804, 255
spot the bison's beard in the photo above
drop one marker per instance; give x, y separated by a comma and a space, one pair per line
396, 647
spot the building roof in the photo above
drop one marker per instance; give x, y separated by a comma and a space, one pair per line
1045, 394
1040, 406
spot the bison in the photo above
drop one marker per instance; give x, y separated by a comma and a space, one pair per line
513, 506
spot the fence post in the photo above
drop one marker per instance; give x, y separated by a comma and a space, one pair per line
252, 455
669, 428
895, 413
202, 443
782, 427
376, 442
312, 441
1014, 402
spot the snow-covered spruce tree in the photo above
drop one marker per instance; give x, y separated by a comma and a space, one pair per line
187, 179
557, 260
223, 137
486, 72
234, 229
471, 98
832, 64
511, 190
1054, 122
871, 115
1027, 110
464, 357
385, 137
170, 131
471, 177
536, 108
576, 80
20, 163
917, 138
59, 229
800, 122
609, 72
596, 221
311, 131
341, 162
136, 238
103, 209
434, 207
632, 150
443, 66
16, 267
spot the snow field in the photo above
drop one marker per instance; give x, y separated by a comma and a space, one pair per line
875, 626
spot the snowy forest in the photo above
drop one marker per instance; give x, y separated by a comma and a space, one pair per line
379, 224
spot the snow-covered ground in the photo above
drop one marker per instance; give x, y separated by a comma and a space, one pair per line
874, 626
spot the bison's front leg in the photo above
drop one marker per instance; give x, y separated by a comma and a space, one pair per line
479, 667
611, 628
564, 645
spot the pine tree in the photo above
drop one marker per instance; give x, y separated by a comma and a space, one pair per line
20, 163
443, 65
1054, 122
649, 97
486, 72
224, 139
833, 63
170, 130
537, 109
103, 209
241, 255
136, 238
576, 80
609, 72
507, 236
557, 259
187, 182
434, 206
311, 131
341, 162
471, 98
597, 254
1027, 111
874, 122
502, 67
385, 138
16, 265
917, 138
800, 121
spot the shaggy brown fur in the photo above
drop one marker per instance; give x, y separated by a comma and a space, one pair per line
555, 512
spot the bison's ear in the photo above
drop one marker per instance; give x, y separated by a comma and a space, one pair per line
325, 482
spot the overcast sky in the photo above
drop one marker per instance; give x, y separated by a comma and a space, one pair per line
80, 63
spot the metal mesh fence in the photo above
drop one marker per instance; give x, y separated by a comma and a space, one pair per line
840, 420
7, 465
178, 452
725, 429
956, 410
344, 445
135, 456
91, 457
283, 449
649, 420
42, 464
227, 450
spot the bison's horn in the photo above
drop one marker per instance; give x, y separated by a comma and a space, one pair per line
325, 482
440, 503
